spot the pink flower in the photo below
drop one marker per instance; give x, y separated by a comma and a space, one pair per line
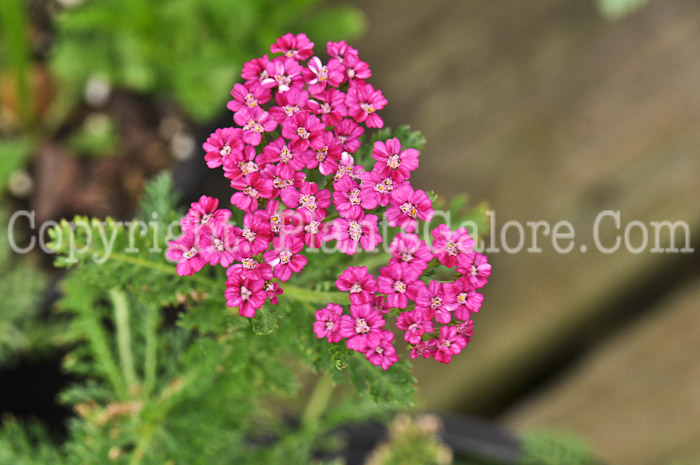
362, 328
379, 304
408, 206
249, 268
221, 249
243, 97
246, 294
399, 282
330, 104
308, 197
348, 199
415, 325
448, 246
203, 214
339, 50
466, 329
289, 160
363, 102
273, 289
376, 189
326, 155
221, 144
384, 354
286, 181
359, 282
254, 122
290, 103
187, 252
254, 72
327, 323
255, 236
356, 68
394, 162
274, 217
448, 344
348, 168
283, 73
464, 298
284, 257
410, 249
351, 234
243, 164
304, 130
315, 230
318, 75
253, 187
297, 46
348, 134
476, 268
425, 349
434, 302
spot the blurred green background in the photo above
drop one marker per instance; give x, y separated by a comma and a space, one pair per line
550, 110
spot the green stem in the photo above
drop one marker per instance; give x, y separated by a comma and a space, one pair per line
150, 363
319, 400
308, 295
295, 292
121, 321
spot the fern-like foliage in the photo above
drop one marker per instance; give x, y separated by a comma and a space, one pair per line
169, 373
19, 310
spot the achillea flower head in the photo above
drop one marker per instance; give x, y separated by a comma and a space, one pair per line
294, 162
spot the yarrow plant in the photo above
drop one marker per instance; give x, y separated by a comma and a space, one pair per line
300, 185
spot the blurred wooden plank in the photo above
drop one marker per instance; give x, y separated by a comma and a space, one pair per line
548, 112
636, 397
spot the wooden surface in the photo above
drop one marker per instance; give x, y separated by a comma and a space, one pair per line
636, 397
549, 112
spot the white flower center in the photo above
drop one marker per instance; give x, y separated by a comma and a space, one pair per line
356, 288
189, 254
251, 101
252, 125
249, 263
286, 155
399, 286
283, 79
313, 227
354, 197
285, 256
368, 107
248, 167
289, 110
225, 150
361, 326
409, 209
394, 161
355, 231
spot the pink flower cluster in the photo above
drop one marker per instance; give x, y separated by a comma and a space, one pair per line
420, 306
298, 118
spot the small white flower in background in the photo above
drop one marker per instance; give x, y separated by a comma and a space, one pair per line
182, 146
98, 88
